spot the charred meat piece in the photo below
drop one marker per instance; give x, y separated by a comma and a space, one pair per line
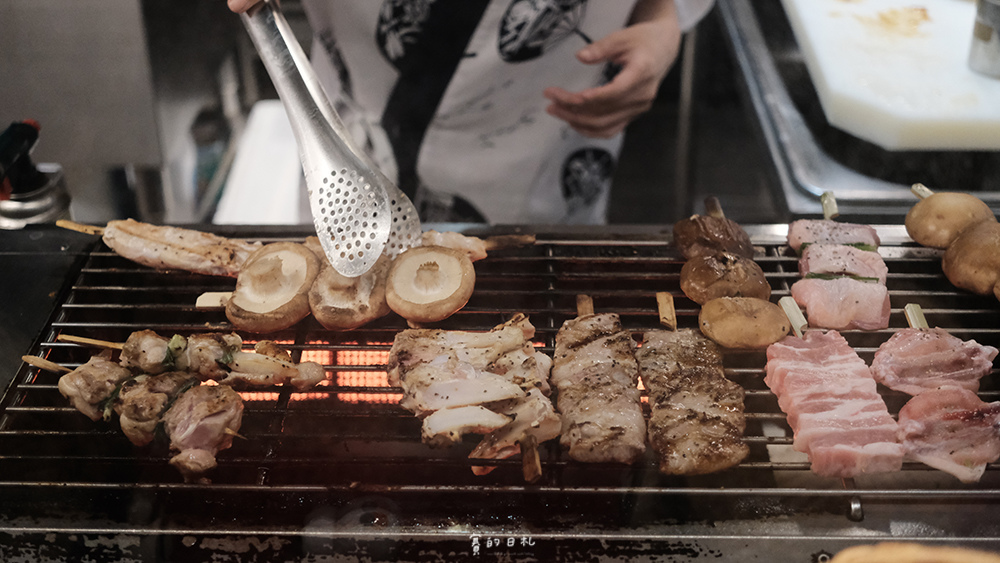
725, 274
202, 422
90, 386
171, 248
822, 259
595, 372
833, 406
951, 429
915, 360
532, 415
812, 231
705, 235
143, 400
696, 423
843, 303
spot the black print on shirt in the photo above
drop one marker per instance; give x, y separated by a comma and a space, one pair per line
530, 27
585, 175
400, 23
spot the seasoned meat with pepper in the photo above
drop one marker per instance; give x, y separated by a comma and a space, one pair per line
596, 375
696, 422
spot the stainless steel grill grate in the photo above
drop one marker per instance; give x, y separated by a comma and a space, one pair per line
344, 462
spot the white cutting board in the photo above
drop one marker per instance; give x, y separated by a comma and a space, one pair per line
897, 76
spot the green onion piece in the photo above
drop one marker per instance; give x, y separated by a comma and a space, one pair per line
175, 347
816, 276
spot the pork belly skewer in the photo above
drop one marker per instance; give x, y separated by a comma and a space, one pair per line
830, 397
596, 374
696, 418
919, 359
491, 383
211, 356
199, 420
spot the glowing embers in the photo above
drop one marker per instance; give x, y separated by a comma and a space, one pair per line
363, 379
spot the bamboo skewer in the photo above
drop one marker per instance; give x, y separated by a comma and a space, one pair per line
713, 208
665, 308
915, 316
921, 191
830, 209
584, 305
42, 363
794, 314
89, 341
80, 227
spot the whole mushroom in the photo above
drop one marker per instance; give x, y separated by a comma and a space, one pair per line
937, 219
272, 287
972, 261
725, 274
429, 283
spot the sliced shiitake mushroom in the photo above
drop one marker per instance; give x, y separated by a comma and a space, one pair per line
271, 290
939, 218
725, 274
743, 322
972, 261
429, 283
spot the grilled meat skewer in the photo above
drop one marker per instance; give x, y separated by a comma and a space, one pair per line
696, 423
596, 374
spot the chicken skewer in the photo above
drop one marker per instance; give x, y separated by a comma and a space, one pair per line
596, 374
696, 418
199, 421
212, 356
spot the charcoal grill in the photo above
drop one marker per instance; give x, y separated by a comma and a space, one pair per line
339, 473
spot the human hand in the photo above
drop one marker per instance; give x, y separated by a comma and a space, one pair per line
645, 52
240, 6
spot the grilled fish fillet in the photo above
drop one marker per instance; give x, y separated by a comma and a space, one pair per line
174, 248
595, 372
696, 423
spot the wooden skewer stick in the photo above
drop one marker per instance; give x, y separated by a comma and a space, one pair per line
584, 305
531, 463
80, 227
42, 363
89, 341
212, 300
915, 316
830, 209
921, 191
497, 242
794, 314
665, 307
713, 208
234, 433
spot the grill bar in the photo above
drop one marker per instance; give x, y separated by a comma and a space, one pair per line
349, 440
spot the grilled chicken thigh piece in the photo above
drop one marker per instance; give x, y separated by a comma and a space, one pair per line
596, 375
171, 248
91, 384
142, 401
696, 423
201, 423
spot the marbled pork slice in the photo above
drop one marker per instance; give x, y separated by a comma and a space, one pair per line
839, 259
843, 303
811, 231
953, 430
840, 421
696, 418
915, 360
596, 375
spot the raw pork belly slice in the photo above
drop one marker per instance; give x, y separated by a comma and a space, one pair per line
843, 303
696, 422
839, 259
951, 429
595, 371
833, 406
811, 231
915, 360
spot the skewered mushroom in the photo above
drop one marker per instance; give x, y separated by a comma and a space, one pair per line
429, 283
705, 235
743, 322
271, 290
938, 218
725, 274
972, 261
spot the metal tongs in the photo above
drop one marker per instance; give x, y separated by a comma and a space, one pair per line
357, 211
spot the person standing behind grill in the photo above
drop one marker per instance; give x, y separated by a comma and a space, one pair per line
449, 97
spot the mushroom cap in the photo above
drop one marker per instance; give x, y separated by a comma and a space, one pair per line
271, 289
972, 261
743, 322
724, 274
936, 220
342, 303
429, 283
